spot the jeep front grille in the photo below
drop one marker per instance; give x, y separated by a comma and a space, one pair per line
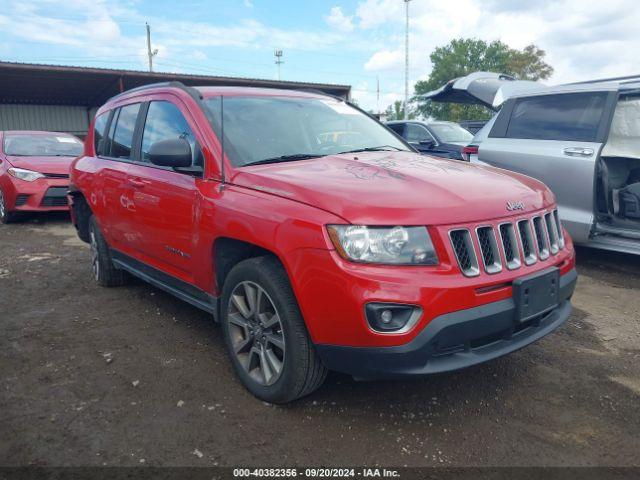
510, 245
489, 249
541, 238
465, 252
527, 241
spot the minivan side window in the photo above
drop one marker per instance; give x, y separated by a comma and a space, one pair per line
397, 127
164, 122
98, 132
121, 136
568, 116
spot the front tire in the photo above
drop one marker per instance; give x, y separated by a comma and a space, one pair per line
5, 215
265, 334
105, 272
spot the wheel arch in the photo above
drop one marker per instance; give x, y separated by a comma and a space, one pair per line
80, 214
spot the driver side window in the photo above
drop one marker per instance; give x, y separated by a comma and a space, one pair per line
165, 122
417, 133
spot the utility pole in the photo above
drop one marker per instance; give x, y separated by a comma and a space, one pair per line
406, 63
150, 53
279, 61
378, 94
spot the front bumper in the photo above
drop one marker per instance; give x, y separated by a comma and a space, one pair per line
452, 341
42, 195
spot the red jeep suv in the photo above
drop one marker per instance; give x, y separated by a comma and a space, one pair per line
34, 171
317, 237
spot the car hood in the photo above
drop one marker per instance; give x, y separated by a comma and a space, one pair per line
58, 165
399, 188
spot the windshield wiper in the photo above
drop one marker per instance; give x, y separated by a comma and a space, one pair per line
381, 148
285, 158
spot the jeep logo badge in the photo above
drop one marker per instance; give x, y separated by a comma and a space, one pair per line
511, 206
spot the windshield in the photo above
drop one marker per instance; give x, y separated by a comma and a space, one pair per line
54, 145
264, 129
451, 132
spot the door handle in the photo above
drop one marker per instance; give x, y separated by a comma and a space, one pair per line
578, 151
137, 183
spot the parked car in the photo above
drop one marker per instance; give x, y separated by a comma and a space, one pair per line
315, 255
34, 171
438, 139
583, 141
472, 125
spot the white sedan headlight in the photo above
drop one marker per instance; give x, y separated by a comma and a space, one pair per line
26, 175
384, 245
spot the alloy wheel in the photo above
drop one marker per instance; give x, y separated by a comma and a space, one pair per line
3, 208
95, 261
255, 330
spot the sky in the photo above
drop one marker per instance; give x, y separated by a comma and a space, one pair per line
357, 42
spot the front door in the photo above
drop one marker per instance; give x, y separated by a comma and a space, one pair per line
165, 199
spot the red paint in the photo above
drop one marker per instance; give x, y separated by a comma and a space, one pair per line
285, 207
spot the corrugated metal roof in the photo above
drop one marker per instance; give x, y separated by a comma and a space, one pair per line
90, 87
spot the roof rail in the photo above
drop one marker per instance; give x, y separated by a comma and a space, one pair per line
319, 92
173, 84
625, 79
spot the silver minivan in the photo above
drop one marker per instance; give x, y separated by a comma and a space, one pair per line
582, 140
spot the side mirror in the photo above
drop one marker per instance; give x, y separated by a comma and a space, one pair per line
427, 143
175, 153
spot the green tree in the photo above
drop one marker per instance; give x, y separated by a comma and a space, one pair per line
395, 111
467, 55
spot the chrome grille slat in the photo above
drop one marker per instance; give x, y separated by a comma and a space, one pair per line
541, 238
465, 252
556, 217
526, 238
489, 249
553, 233
510, 245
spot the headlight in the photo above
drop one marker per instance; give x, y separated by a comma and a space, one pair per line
26, 175
384, 245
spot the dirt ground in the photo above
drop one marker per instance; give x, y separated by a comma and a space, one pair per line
131, 376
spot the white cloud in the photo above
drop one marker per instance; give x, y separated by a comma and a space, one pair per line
337, 19
373, 13
248, 3
385, 60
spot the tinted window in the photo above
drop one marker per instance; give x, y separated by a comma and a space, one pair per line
42, 145
570, 116
417, 133
125, 124
98, 132
164, 122
397, 127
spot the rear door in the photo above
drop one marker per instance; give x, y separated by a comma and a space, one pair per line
115, 150
554, 138
165, 200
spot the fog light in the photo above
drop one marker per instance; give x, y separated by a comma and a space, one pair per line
386, 316
391, 317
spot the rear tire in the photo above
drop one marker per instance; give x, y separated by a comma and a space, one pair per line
105, 272
265, 333
5, 215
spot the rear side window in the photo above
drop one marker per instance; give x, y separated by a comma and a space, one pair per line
121, 131
569, 116
98, 133
165, 122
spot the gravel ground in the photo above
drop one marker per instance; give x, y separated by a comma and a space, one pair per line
131, 376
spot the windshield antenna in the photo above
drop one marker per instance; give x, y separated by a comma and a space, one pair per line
222, 142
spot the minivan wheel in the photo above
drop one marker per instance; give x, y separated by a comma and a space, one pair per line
5, 215
105, 272
265, 334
